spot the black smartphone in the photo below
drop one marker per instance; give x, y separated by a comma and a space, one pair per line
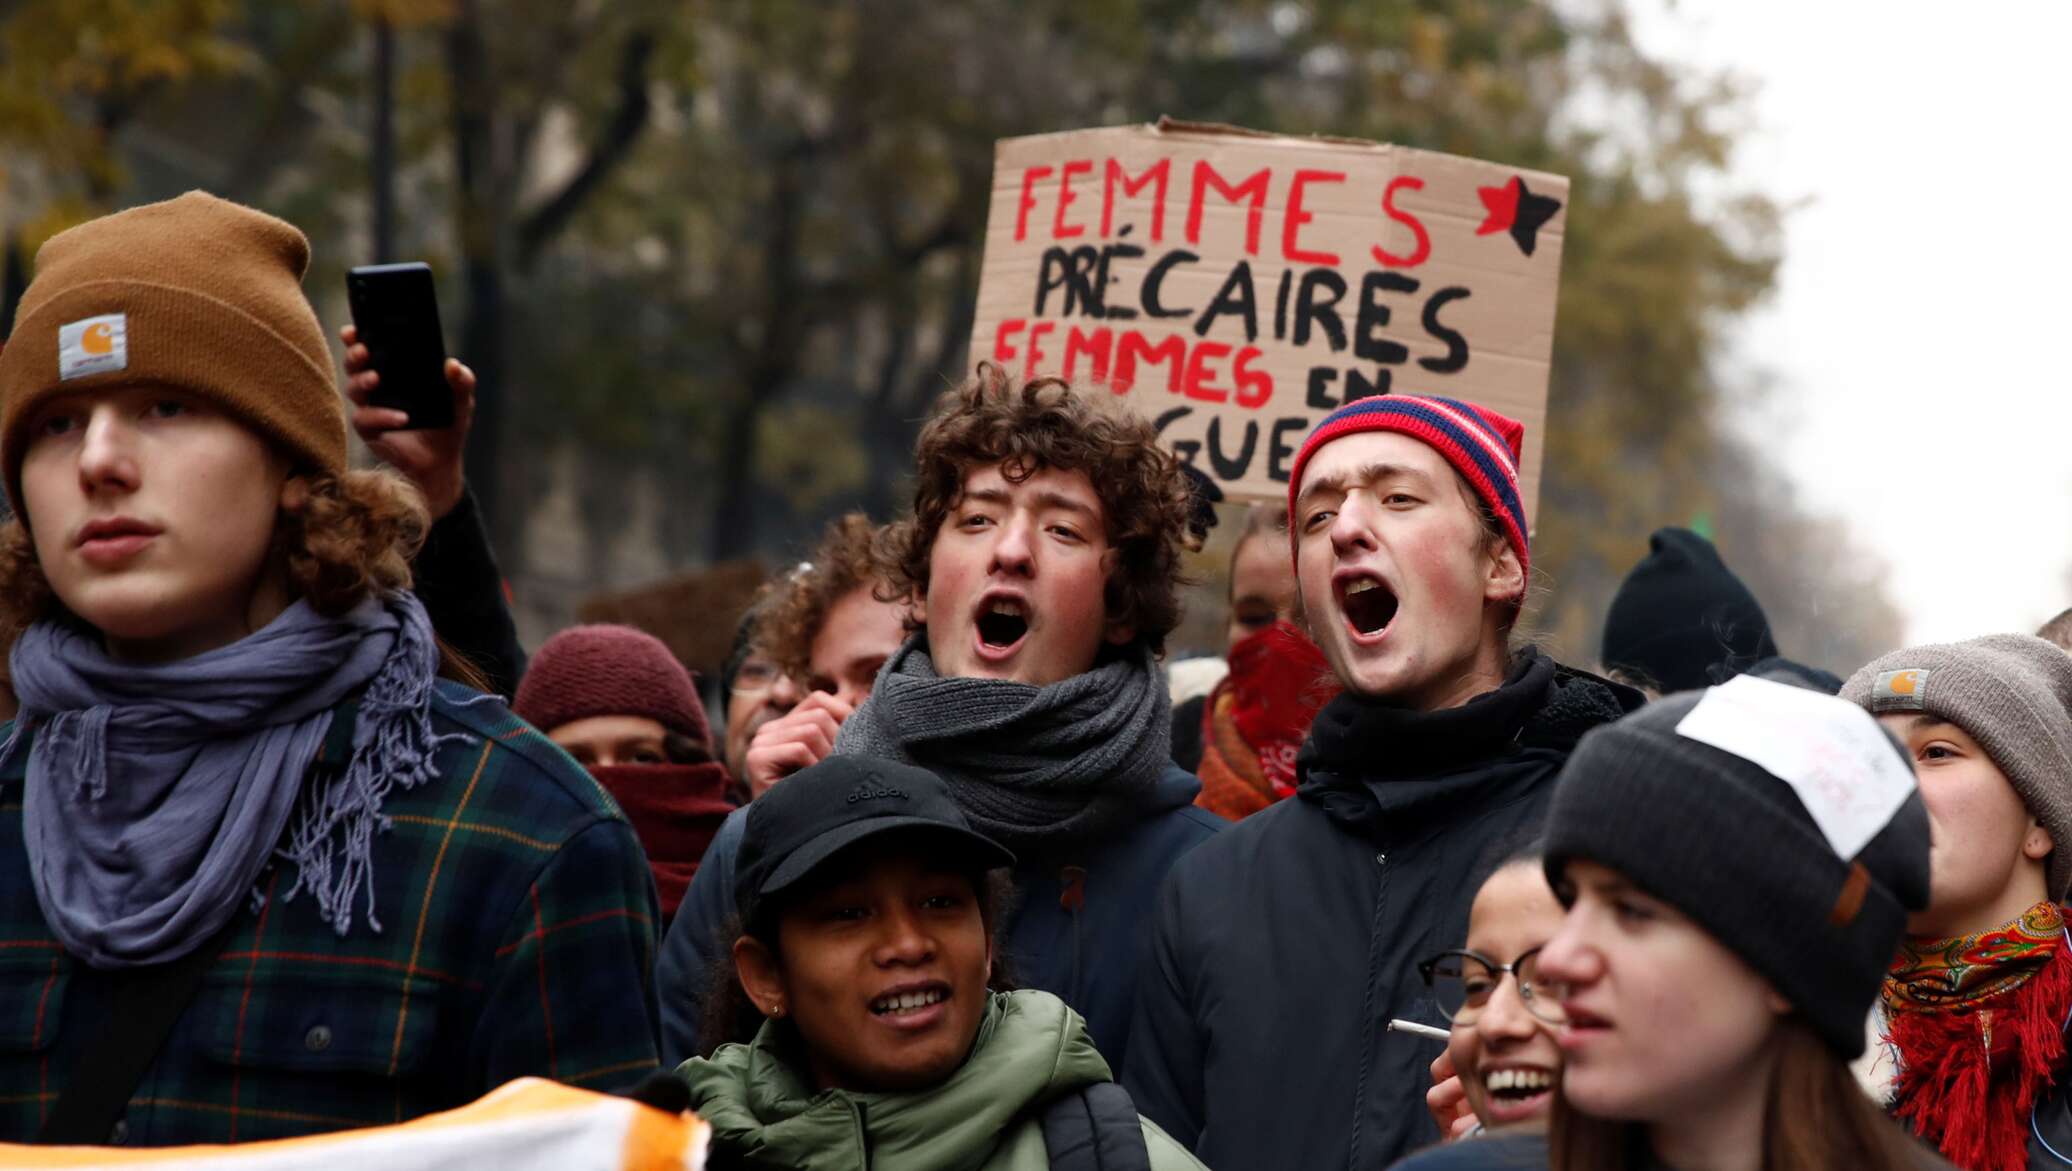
396, 310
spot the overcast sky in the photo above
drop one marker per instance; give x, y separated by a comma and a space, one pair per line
1919, 335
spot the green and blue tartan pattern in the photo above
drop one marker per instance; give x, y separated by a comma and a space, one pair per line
518, 938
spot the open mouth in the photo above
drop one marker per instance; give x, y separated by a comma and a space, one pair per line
1002, 622
904, 1004
1368, 603
1517, 1086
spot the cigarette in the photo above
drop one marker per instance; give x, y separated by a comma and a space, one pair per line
1402, 1026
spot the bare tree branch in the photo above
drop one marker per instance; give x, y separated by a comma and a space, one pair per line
610, 149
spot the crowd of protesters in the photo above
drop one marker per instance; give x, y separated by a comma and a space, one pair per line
294, 837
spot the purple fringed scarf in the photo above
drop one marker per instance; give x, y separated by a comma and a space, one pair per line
158, 793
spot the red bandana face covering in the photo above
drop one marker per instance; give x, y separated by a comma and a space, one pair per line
1978, 1022
1257, 718
1278, 681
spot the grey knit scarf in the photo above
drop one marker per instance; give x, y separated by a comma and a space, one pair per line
158, 793
1034, 768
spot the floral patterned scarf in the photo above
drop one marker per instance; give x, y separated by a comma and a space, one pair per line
1978, 1024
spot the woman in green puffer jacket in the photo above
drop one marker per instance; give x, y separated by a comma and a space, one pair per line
867, 947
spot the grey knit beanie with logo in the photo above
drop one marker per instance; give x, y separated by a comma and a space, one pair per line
2010, 692
1732, 846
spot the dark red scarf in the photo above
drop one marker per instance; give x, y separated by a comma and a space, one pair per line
1978, 1022
675, 810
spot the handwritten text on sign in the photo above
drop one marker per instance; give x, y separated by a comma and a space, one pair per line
1237, 287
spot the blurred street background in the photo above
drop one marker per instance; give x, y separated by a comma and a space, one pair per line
711, 259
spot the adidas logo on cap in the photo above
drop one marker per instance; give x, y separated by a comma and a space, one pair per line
875, 791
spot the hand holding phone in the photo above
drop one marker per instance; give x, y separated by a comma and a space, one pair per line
432, 460
396, 312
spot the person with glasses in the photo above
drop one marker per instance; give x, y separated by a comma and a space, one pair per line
805, 656
1502, 1062
828, 631
753, 691
1306, 919
1042, 552
1738, 866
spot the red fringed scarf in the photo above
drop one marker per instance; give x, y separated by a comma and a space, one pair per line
1978, 1023
1256, 719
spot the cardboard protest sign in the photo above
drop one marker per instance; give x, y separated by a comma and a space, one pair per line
1236, 287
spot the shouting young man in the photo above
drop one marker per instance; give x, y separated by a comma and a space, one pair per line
239, 802
1980, 991
1043, 552
1282, 949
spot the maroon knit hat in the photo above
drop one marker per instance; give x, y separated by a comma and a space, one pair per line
606, 670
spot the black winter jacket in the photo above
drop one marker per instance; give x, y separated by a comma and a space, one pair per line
1282, 948
1512, 1151
2050, 1128
456, 577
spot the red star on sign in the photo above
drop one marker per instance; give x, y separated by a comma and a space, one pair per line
1514, 208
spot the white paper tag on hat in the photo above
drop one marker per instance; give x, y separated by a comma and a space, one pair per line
93, 345
1830, 751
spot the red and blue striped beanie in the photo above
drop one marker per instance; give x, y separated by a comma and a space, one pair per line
1482, 445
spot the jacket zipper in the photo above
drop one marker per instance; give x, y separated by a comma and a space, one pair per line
1073, 899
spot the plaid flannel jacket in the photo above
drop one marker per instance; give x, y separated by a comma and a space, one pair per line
517, 937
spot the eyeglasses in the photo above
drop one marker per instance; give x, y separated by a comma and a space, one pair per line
755, 675
1463, 981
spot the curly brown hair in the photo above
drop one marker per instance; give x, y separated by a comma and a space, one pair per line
1025, 427
786, 623
353, 536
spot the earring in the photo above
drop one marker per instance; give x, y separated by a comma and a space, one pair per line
777, 1009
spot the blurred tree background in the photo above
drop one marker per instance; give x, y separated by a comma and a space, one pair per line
713, 258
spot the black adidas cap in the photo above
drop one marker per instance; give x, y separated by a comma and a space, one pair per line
810, 816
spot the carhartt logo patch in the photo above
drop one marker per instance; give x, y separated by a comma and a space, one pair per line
93, 345
1900, 691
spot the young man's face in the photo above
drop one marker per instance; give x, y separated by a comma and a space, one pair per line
152, 513
1395, 573
1986, 854
1016, 579
857, 636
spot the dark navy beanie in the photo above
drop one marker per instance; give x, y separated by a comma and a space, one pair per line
1682, 620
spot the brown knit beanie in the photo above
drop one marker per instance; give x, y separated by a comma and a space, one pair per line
608, 670
2010, 692
195, 293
